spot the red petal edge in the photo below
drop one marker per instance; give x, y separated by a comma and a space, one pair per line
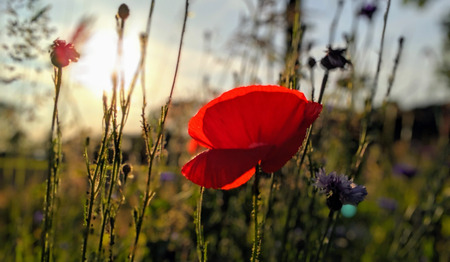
224, 168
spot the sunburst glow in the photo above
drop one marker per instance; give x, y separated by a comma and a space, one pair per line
98, 59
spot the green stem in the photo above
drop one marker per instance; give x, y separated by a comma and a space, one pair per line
148, 194
201, 249
112, 183
335, 22
256, 243
100, 163
116, 134
53, 165
394, 69
322, 87
333, 227
325, 234
380, 56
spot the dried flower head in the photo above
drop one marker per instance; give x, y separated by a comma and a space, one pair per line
63, 53
339, 189
334, 59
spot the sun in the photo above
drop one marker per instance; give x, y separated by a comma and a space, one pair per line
98, 59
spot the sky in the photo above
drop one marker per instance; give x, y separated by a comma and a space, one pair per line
416, 83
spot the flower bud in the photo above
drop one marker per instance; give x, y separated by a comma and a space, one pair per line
123, 12
311, 62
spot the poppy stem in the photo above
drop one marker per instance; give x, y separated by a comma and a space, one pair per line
201, 247
256, 241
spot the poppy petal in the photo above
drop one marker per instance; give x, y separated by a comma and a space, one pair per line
244, 116
312, 112
284, 152
224, 168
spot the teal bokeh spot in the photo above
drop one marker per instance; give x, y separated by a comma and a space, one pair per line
348, 210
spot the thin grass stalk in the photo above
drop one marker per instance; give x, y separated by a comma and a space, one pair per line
270, 199
325, 234
323, 85
151, 154
52, 180
310, 212
290, 74
92, 178
335, 22
107, 210
268, 211
380, 55
144, 44
256, 250
394, 69
201, 247
363, 141
311, 70
116, 134
363, 144
333, 228
117, 140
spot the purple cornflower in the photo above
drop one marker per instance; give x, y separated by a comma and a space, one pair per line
367, 10
339, 189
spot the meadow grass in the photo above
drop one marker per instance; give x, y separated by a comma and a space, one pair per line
93, 200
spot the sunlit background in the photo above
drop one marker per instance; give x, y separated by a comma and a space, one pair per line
212, 56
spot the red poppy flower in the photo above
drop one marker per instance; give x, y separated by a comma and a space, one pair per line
244, 127
62, 54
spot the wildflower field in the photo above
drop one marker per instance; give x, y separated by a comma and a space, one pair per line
305, 136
